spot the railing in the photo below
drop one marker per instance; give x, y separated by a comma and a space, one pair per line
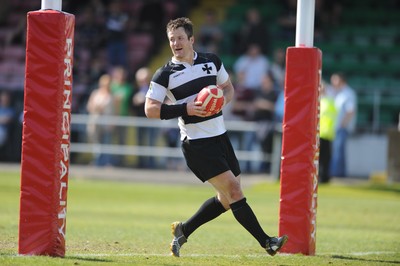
80, 120
377, 110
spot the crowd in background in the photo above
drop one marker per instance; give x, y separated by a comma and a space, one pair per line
107, 83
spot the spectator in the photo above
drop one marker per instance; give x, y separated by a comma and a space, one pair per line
7, 114
151, 16
278, 66
278, 72
287, 20
89, 34
146, 136
250, 69
398, 125
280, 106
346, 104
264, 106
210, 33
151, 19
100, 103
98, 67
122, 92
326, 133
17, 36
231, 115
253, 31
117, 22
5, 9
327, 16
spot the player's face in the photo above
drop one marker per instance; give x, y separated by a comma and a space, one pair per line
181, 45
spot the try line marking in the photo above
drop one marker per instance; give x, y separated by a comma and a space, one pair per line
367, 253
105, 255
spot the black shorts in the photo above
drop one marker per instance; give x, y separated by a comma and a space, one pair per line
210, 157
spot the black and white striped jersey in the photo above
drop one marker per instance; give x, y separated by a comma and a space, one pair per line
181, 82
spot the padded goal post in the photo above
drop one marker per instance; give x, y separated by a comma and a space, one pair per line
300, 141
46, 132
300, 150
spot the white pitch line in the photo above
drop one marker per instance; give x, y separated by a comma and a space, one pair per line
371, 253
162, 255
105, 255
367, 253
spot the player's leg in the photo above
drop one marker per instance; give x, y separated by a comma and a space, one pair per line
204, 158
228, 187
224, 200
209, 210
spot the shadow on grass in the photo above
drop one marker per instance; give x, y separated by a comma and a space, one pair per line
5, 254
87, 259
365, 260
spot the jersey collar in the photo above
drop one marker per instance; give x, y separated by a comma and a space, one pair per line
173, 60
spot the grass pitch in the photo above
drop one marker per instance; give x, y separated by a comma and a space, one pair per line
127, 223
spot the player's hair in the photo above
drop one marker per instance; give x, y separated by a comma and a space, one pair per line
183, 22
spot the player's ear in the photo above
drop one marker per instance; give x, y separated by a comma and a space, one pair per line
191, 40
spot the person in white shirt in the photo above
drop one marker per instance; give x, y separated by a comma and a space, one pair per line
346, 106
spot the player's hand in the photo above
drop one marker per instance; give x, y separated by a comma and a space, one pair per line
195, 109
222, 106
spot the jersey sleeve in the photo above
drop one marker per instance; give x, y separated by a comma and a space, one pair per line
222, 75
158, 87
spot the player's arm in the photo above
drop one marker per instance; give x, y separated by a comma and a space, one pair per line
158, 110
152, 108
228, 89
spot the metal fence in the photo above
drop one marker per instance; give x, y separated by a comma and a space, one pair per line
79, 122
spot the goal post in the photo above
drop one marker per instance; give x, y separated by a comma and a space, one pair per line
300, 139
46, 130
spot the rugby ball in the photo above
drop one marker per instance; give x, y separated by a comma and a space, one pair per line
212, 99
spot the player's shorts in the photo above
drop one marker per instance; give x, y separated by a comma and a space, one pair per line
209, 157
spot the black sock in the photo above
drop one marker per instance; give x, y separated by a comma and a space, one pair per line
246, 217
211, 209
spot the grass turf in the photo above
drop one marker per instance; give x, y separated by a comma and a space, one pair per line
116, 223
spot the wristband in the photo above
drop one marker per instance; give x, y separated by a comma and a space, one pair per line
172, 111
